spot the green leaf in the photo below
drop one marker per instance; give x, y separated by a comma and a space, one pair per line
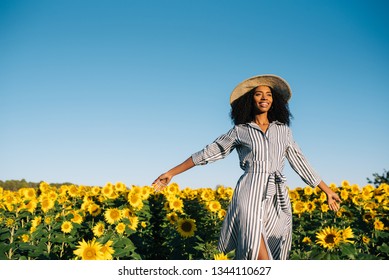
4, 230
348, 250
384, 248
5, 236
27, 247
3, 250
366, 257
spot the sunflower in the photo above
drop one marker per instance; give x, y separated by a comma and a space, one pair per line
172, 217
66, 227
316, 190
220, 190
77, 218
145, 193
135, 200
358, 200
52, 195
108, 191
94, 209
368, 216
294, 195
107, 250
113, 215
323, 197
90, 250
172, 188
344, 194
299, 207
346, 234
355, 189
307, 240
46, 204
63, 199
221, 214
207, 194
186, 227
29, 193
135, 189
87, 202
120, 187
333, 187
134, 220
10, 207
10, 222
385, 188
220, 256
329, 237
340, 212
188, 193
36, 221
308, 191
370, 206
176, 204
365, 239
73, 191
378, 225
345, 184
367, 193
127, 212
369, 187
9, 199
228, 194
95, 191
25, 238
43, 186
98, 229
324, 208
31, 205
120, 228
214, 206
310, 206
379, 198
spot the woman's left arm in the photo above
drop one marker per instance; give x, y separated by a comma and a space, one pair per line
300, 164
332, 197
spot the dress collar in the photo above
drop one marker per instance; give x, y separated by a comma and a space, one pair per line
255, 125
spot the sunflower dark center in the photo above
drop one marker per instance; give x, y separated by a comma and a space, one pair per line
186, 226
330, 239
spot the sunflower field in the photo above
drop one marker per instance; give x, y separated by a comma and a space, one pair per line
119, 222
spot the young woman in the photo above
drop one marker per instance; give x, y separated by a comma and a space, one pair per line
258, 224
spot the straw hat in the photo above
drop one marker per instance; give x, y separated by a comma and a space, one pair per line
275, 82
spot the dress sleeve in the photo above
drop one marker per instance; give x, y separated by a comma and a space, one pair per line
218, 149
300, 164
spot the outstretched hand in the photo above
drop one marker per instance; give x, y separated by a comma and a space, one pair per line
162, 181
333, 201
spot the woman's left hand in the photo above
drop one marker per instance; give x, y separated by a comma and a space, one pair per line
333, 201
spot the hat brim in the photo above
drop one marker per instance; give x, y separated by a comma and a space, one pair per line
278, 84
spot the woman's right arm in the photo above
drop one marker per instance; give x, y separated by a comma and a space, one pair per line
220, 148
166, 177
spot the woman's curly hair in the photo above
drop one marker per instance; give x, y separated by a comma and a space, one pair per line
243, 110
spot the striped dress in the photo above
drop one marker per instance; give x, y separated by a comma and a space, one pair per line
260, 205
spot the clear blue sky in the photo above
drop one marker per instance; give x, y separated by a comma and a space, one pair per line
104, 91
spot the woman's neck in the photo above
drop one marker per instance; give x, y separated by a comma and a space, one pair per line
261, 119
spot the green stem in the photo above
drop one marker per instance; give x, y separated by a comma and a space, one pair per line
11, 240
62, 249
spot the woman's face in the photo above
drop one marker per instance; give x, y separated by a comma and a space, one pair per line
263, 99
